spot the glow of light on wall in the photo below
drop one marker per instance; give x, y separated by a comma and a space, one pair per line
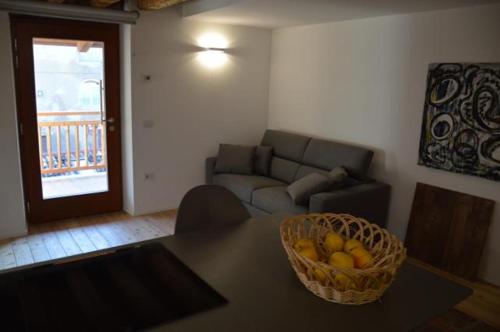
212, 55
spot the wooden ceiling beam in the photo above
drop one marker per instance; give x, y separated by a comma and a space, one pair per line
141, 4
157, 4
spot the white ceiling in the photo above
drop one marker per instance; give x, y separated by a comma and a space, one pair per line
283, 13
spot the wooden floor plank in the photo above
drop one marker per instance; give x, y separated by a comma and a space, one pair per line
81, 239
113, 234
142, 230
125, 227
160, 228
37, 246
82, 235
155, 228
483, 304
152, 228
22, 252
95, 237
134, 228
68, 243
7, 258
164, 222
51, 241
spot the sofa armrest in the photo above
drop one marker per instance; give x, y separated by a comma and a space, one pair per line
368, 200
209, 169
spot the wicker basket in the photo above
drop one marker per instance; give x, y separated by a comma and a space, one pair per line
365, 285
156, 4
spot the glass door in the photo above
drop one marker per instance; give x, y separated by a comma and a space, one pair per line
71, 116
67, 86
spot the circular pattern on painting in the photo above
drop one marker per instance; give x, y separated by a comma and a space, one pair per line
466, 144
436, 153
490, 149
486, 108
441, 126
444, 90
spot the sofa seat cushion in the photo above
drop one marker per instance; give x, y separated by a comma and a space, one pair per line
244, 185
276, 199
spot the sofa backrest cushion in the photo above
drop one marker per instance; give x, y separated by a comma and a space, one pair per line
328, 155
262, 161
286, 145
283, 169
305, 170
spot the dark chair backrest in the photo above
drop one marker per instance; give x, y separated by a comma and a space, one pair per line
209, 206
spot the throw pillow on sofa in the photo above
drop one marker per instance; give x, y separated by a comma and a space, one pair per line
263, 155
236, 159
338, 177
305, 187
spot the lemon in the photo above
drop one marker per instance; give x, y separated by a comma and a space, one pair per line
310, 253
333, 242
320, 274
352, 244
362, 258
343, 281
303, 243
341, 259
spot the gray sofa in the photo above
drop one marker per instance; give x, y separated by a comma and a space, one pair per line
295, 156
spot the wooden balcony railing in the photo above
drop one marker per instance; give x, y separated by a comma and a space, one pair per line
70, 146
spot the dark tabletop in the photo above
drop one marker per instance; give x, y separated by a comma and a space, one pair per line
248, 266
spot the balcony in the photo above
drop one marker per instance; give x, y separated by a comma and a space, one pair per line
72, 154
74, 185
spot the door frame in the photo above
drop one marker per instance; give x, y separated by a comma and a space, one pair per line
23, 29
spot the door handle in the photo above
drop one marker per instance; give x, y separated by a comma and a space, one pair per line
111, 122
101, 99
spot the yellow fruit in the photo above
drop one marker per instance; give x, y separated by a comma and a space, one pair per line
333, 242
342, 280
303, 243
362, 258
352, 244
341, 259
320, 274
310, 253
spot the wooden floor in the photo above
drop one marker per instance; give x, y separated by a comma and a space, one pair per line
483, 304
81, 236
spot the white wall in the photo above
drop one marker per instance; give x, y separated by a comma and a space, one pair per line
12, 219
363, 81
126, 119
192, 109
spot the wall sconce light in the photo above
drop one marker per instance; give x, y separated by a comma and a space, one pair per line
213, 54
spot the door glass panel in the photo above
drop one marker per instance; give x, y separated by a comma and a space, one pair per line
71, 116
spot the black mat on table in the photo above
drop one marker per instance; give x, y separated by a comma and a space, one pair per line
129, 290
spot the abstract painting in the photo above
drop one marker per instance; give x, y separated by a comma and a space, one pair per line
461, 121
